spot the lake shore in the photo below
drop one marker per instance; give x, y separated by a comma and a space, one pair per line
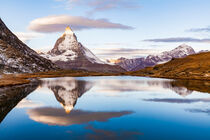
19, 79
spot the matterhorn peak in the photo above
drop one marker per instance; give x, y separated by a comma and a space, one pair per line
68, 53
67, 42
68, 31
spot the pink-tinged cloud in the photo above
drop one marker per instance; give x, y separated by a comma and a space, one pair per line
56, 116
51, 24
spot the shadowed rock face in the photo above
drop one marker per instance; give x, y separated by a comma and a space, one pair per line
68, 90
15, 56
11, 96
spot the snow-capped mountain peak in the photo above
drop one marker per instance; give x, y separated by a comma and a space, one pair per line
68, 48
68, 31
183, 47
67, 42
68, 53
182, 51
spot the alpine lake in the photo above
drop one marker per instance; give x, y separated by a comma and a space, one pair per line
112, 107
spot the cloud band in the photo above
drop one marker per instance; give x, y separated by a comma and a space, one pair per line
52, 24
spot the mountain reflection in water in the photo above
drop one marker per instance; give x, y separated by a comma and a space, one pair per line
11, 96
181, 87
67, 90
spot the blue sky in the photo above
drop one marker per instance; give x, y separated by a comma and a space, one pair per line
148, 26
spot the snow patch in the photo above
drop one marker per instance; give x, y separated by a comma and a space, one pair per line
91, 57
68, 43
66, 56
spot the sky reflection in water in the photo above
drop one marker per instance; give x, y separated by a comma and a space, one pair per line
106, 107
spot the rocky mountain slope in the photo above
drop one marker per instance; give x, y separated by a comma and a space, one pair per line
68, 53
195, 66
152, 60
17, 57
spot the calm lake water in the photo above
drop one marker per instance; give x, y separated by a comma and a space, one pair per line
105, 108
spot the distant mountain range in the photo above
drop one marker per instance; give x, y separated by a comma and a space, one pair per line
17, 57
195, 66
68, 53
152, 60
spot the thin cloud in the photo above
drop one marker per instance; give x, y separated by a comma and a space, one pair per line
113, 51
58, 23
206, 29
120, 52
101, 5
26, 37
179, 39
206, 111
178, 101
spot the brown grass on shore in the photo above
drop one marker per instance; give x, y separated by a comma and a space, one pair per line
195, 67
12, 81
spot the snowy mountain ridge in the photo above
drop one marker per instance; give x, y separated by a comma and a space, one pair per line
151, 60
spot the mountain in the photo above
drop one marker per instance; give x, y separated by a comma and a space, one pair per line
17, 57
151, 60
195, 66
68, 53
